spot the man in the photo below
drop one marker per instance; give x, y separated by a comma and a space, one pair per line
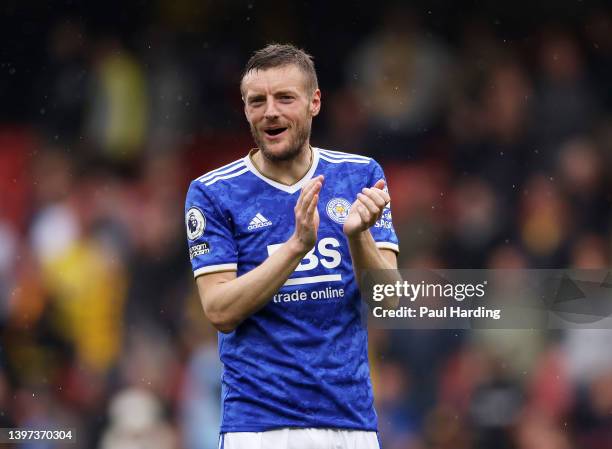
279, 239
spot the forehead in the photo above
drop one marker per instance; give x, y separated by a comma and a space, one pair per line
274, 79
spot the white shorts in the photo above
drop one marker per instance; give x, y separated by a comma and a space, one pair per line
292, 438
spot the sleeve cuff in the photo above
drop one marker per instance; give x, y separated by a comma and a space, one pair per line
215, 269
388, 245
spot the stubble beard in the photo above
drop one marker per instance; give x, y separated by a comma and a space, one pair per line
295, 144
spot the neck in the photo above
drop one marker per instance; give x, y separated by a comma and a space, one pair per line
286, 172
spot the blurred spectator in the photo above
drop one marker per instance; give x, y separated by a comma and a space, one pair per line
446, 429
347, 125
550, 390
493, 411
591, 417
16, 148
117, 119
8, 255
544, 219
476, 217
565, 103
201, 392
5, 390
136, 421
494, 141
587, 357
537, 431
62, 89
150, 361
172, 94
582, 172
82, 272
597, 28
400, 73
397, 422
158, 269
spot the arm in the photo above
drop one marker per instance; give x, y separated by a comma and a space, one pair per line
228, 300
365, 211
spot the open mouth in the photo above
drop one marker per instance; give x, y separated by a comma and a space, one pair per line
275, 131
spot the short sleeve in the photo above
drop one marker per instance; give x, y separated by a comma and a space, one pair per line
383, 231
212, 247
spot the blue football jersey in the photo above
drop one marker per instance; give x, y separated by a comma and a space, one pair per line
301, 361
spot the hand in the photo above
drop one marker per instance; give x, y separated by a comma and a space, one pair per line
307, 215
366, 209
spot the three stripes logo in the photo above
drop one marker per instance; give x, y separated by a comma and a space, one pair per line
259, 221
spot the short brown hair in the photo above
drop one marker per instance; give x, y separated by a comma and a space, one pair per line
279, 55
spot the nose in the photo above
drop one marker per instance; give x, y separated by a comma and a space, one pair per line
271, 112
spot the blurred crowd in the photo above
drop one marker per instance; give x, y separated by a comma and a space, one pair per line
496, 139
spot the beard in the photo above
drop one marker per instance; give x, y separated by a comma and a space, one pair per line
295, 144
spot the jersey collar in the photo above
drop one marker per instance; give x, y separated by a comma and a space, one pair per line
285, 188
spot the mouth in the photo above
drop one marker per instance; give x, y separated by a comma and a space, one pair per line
273, 132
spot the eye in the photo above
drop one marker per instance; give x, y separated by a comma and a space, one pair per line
256, 102
286, 98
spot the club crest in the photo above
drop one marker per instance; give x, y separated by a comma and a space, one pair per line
338, 209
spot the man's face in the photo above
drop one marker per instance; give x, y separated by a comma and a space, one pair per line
279, 110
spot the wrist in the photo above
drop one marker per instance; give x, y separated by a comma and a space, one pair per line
297, 247
358, 236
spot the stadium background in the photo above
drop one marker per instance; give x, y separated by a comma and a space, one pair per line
493, 121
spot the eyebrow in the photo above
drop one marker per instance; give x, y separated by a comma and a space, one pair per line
276, 94
285, 92
255, 97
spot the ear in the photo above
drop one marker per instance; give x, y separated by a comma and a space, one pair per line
315, 103
244, 108
242, 97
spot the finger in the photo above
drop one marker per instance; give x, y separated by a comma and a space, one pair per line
375, 195
380, 184
316, 188
308, 193
308, 198
303, 193
312, 206
307, 189
369, 204
318, 179
298, 204
363, 213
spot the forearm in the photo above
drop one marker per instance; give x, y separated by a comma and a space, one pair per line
229, 303
367, 256
365, 253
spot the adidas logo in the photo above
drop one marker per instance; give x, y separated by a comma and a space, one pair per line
259, 221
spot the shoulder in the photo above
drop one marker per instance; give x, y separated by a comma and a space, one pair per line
229, 171
217, 184
219, 179
353, 162
340, 157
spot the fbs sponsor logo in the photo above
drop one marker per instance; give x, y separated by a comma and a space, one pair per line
259, 221
198, 250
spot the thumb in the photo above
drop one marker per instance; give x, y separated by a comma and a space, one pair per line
380, 184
